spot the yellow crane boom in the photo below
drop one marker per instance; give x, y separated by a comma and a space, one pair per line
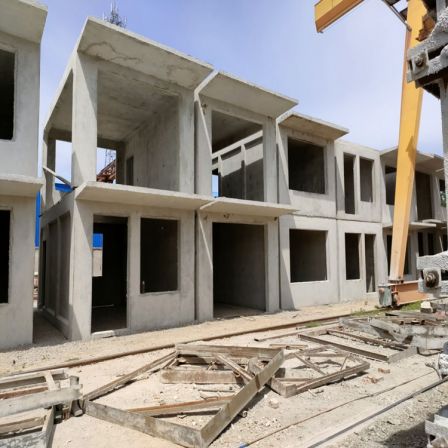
326, 13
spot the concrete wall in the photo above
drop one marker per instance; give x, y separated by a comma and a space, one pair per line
144, 311
356, 288
298, 294
155, 148
16, 316
19, 155
308, 204
364, 211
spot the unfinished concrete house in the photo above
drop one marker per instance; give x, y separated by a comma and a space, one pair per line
130, 95
21, 28
237, 233
427, 226
330, 247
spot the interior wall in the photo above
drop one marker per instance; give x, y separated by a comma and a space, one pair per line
349, 184
308, 255
5, 236
158, 255
155, 148
306, 165
239, 265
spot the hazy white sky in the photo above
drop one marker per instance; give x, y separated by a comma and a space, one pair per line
350, 74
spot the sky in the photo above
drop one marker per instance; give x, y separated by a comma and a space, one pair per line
350, 75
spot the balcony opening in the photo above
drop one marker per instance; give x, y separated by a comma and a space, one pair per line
349, 184
306, 166
308, 255
237, 158
106, 165
159, 250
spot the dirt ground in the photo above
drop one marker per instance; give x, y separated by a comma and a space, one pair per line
310, 416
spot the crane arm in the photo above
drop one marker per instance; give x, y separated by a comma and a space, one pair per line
327, 12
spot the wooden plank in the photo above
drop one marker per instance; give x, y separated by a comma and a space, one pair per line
289, 346
122, 380
373, 341
192, 376
182, 408
182, 435
232, 351
246, 376
309, 364
38, 400
29, 379
224, 417
21, 425
347, 348
50, 381
19, 392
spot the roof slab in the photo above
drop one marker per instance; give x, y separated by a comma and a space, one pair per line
313, 126
232, 90
16, 185
23, 18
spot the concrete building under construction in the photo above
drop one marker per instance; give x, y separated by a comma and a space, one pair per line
301, 217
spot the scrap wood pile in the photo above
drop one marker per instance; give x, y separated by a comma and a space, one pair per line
286, 370
317, 357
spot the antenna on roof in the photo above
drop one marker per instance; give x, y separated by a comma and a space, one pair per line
114, 16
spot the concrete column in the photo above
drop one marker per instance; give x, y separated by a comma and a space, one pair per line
133, 292
48, 160
204, 268
270, 161
283, 169
203, 165
84, 120
186, 143
81, 282
272, 266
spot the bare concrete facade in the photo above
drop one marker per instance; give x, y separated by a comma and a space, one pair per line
21, 27
300, 216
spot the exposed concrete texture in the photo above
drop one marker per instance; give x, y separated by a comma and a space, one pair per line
308, 203
350, 189
21, 27
296, 294
16, 316
355, 257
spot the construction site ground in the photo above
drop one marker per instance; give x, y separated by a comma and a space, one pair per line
313, 415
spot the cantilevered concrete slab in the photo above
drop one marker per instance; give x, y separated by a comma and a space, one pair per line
423, 161
146, 197
230, 89
247, 208
16, 185
100, 39
312, 126
23, 18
